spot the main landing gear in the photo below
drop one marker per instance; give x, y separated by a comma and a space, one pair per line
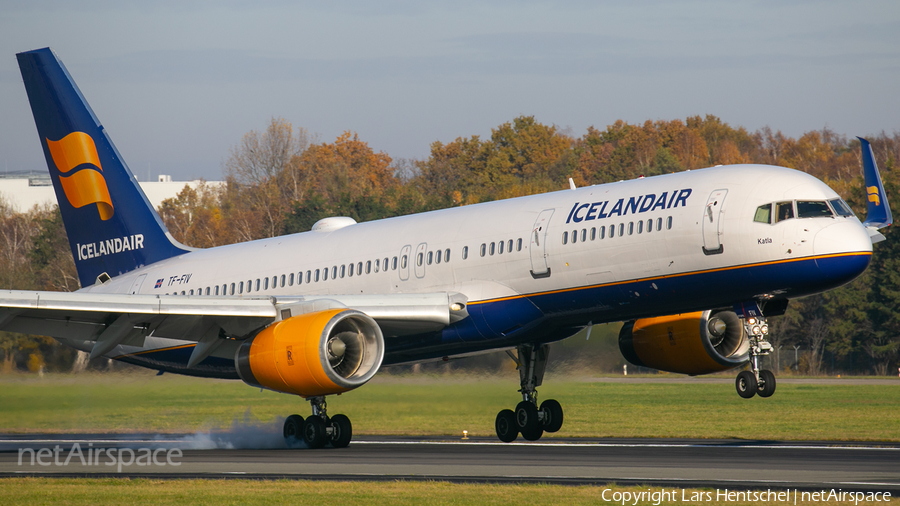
756, 381
318, 430
528, 419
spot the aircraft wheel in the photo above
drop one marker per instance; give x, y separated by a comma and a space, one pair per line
553, 415
746, 384
314, 432
506, 427
293, 428
766, 387
343, 431
528, 422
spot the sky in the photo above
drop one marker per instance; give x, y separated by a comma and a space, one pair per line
177, 83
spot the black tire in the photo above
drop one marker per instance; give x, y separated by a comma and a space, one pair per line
293, 428
343, 431
528, 422
553, 415
506, 427
745, 384
314, 432
766, 386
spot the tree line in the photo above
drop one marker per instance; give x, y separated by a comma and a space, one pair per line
282, 180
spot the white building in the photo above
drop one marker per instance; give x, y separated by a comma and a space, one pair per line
24, 191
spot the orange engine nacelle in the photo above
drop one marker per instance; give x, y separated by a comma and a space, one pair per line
322, 353
692, 343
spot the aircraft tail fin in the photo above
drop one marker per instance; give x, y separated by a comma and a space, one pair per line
878, 212
111, 225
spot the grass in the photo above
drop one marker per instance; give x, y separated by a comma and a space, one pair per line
225, 492
447, 405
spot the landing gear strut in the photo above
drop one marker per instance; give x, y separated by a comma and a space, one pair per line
756, 381
318, 429
528, 419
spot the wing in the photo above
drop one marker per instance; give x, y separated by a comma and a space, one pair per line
111, 320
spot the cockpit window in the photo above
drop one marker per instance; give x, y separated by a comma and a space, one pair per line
813, 209
763, 214
840, 207
784, 211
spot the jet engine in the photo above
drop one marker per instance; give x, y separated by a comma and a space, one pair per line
321, 353
692, 343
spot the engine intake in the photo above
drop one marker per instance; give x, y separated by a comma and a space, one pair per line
321, 353
692, 343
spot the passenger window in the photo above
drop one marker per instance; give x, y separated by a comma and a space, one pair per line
565, 238
784, 211
240, 288
343, 270
359, 268
641, 227
500, 247
612, 231
621, 229
403, 262
384, 265
630, 227
266, 284
763, 214
465, 252
274, 282
257, 285
419, 259
430, 257
394, 264
583, 234
232, 289
350, 273
376, 265
334, 272
483, 248
602, 232
283, 277
509, 246
368, 266
659, 224
840, 207
593, 233
650, 225
813, 209
191, 292
291, 279
669, 223
493, 248
309, 276
325, 274
519, 244
437, 256
574, 236
447, 255
217, 289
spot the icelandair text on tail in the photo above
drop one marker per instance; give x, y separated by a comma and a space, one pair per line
110, 246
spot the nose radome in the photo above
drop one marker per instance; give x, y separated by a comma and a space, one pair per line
845, 236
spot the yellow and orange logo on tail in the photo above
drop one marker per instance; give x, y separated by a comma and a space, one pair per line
86, 186
873, 195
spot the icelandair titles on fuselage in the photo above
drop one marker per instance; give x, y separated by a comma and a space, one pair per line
110, 246
634, 205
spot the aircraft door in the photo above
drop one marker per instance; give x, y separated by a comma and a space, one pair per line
713, 223
538, 248
136, 286
419, 259
404, 263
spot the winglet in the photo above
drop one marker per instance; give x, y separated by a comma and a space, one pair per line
878, 210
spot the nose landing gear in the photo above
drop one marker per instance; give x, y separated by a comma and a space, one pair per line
318, 429
756, 381
528, 419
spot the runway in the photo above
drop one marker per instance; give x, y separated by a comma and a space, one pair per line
652, 462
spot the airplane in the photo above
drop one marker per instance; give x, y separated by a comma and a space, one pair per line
693, 262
